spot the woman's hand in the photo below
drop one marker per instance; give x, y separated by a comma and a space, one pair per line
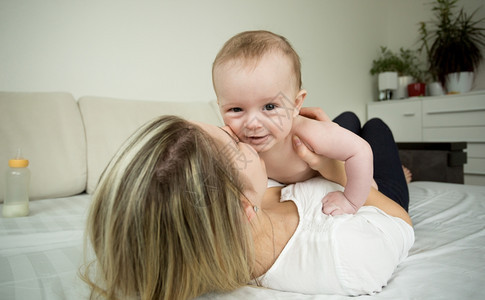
315, 113
331, 169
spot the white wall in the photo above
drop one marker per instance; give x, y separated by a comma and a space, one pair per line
404, 16
163, 50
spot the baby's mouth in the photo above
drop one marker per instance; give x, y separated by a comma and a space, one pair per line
257, 140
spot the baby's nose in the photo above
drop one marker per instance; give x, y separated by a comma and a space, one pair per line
253, 123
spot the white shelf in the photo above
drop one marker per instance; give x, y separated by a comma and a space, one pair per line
449, 118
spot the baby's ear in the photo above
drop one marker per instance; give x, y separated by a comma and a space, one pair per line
300, 97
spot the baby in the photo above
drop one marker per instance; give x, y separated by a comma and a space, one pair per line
257, 80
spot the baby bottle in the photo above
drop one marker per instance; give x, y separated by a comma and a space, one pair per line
16, 201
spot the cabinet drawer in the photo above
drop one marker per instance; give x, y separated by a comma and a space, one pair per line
464, 110
403, 117
475, 166
455, 134
475, 159
474, 179
476, 150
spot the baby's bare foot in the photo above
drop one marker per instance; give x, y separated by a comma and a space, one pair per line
407, 174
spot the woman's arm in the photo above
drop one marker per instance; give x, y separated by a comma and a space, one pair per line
387, 205
324, 166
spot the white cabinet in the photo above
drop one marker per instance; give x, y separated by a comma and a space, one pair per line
450, 118
404, 117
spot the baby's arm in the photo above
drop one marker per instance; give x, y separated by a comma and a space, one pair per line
375, 198
333, 141
331, 169
315, 113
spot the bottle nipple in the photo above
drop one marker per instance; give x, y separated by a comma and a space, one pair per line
18, 161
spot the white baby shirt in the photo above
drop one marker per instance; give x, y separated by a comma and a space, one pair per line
345, 254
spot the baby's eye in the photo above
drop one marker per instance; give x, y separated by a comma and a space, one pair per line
236, 109
269, 106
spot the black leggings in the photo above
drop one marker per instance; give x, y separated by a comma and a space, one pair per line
388, 172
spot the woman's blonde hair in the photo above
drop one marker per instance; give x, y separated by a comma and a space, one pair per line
166, 220
252, 45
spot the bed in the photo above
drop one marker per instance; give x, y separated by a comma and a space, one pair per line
69, 141
40, 254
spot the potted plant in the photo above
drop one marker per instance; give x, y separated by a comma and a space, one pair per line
410, 75
417, 88
386, 67
404, 66
455, 39
435, 87
388, 61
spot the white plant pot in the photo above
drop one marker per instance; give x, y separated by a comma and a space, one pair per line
387, 81
402, 87
435, 89
387, 84
457, 83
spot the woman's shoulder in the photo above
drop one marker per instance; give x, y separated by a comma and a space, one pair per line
307, 195
316, 186
274, 183
350, 246
369, 246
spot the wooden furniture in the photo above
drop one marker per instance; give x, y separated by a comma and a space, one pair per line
434, 161
449, 118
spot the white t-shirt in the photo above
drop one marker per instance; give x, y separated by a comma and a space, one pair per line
345, 254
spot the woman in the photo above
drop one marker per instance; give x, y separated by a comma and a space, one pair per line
166, 220
183, 209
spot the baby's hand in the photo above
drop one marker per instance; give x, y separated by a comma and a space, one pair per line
335, 203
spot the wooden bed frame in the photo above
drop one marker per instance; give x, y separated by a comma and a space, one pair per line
434, 161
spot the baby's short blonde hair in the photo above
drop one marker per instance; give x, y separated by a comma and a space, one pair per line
252, 45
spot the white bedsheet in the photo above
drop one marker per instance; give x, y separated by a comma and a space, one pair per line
40, 254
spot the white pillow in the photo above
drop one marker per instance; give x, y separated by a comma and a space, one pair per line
109, 122
49, 130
